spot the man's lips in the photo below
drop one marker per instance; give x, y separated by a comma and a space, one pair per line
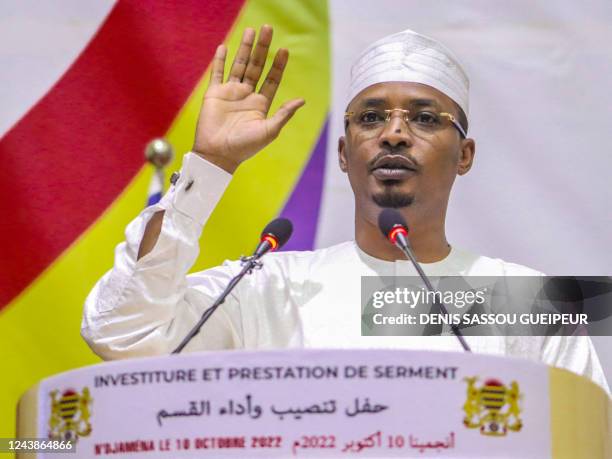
393, 168
392, 174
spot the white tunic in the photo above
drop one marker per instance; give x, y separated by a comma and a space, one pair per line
299, 299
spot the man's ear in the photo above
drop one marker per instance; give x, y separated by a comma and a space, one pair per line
466, 156
342, 154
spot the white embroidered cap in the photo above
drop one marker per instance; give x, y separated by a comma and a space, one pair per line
411, 57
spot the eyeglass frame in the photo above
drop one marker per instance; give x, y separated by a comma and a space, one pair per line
405, 112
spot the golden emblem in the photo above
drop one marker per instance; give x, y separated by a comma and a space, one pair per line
70, 413
492, 408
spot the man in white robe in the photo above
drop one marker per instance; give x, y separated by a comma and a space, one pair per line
405, 142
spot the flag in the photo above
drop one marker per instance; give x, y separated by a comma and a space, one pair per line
92, 83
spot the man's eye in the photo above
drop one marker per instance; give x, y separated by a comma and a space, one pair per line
370, 117
426, 118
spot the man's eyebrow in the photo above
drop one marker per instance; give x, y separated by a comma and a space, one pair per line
415, 103
373, 102
424, 103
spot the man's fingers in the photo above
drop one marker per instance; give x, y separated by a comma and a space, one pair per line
275, 74
242, 56
258, 58
218, 65
283, 114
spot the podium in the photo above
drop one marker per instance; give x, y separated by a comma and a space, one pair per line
320, 403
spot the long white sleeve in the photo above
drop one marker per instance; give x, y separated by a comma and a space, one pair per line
145, 307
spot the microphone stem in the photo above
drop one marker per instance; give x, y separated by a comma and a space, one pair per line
248, 266
404, 247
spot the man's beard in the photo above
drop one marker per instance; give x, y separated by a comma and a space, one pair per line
393, 199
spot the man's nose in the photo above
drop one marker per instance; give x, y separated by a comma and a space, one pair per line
396, 133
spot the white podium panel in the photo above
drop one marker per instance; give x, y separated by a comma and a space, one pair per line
316, 403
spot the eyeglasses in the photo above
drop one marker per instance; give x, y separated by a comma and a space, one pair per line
421, 122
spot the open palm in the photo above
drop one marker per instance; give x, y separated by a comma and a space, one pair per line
233, 123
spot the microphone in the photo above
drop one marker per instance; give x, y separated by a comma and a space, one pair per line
395, 229
273, 237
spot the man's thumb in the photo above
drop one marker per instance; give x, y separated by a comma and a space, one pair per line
284, 114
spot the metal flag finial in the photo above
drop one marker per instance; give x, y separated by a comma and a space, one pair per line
159, 152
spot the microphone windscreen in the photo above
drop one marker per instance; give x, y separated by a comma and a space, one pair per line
389, 218
281, 229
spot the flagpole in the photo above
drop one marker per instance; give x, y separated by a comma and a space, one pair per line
159, 154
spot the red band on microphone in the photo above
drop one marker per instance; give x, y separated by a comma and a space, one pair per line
271, 240
395, 231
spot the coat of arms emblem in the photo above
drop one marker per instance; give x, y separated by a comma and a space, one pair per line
493, 408
70, 413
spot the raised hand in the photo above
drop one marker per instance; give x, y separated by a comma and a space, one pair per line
233, 123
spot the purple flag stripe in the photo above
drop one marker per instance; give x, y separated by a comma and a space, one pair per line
154, 198
304, 204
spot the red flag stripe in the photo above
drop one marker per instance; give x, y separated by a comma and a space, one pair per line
72, 154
